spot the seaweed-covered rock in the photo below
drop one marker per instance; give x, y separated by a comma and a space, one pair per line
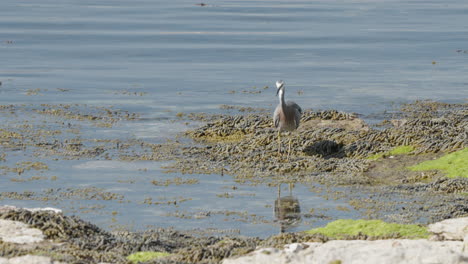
76, 241
214, 253
246, 146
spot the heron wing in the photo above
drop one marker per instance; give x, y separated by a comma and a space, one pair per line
294, 105
297, 112
276, 117
297, 116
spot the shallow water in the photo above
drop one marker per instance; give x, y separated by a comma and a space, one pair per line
160, 58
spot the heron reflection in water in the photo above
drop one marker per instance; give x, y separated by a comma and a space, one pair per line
287, 210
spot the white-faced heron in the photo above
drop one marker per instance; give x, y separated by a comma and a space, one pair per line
287, 115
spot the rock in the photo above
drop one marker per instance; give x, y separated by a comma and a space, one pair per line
294, 247
450, 229
362, 251
30, 259
19, 233
55, 210
398, 122
465, 245
6, 208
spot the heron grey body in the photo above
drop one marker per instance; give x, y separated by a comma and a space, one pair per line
287, 115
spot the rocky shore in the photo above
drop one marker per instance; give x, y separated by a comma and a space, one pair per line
46, 236
383, 160
412, 166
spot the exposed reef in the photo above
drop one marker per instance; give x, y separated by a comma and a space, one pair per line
336, 144
339, 149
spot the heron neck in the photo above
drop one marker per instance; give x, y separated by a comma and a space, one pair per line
281, 97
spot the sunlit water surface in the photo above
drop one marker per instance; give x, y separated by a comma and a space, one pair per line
159, 58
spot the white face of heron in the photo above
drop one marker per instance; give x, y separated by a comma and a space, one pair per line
279, 84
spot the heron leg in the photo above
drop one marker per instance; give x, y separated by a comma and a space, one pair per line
279, 143
289, 148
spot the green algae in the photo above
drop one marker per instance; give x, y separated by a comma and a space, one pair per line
24, 166
144, 256
224, 137
6, 135
454, 164
175, 181
376, 156
400, 150
373, 228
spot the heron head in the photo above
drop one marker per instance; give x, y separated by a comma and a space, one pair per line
279, 86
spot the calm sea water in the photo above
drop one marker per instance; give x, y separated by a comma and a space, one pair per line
158, 58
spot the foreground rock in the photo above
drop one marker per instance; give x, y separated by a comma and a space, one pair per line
20, 233
29, 259
452, 248
450, 229
360, 251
